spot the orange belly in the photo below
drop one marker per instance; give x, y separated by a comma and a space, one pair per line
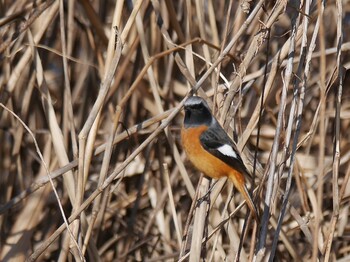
203, 160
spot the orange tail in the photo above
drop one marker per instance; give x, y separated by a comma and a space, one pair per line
239, 182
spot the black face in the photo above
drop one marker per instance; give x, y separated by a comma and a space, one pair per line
197, 112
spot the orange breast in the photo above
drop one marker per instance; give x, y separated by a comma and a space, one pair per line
203, 160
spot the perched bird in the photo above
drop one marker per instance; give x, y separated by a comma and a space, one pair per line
211, 150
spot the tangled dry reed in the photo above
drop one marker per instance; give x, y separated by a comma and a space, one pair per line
91, 95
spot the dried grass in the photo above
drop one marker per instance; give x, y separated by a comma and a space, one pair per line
91, 95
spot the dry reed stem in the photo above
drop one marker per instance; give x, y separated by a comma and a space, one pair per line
318, 238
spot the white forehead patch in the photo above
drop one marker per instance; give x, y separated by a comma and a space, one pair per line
227, 150
194, 100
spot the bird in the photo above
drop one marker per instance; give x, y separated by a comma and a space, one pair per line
211, 150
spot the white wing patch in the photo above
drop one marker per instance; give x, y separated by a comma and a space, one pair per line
227, 150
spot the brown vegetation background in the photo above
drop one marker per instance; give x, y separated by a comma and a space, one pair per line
90, 115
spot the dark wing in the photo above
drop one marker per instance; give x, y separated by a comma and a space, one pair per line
216, 142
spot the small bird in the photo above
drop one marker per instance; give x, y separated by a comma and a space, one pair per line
211, 150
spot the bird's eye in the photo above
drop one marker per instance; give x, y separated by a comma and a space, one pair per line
197, 107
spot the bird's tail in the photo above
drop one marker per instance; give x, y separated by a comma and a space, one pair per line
239, 182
